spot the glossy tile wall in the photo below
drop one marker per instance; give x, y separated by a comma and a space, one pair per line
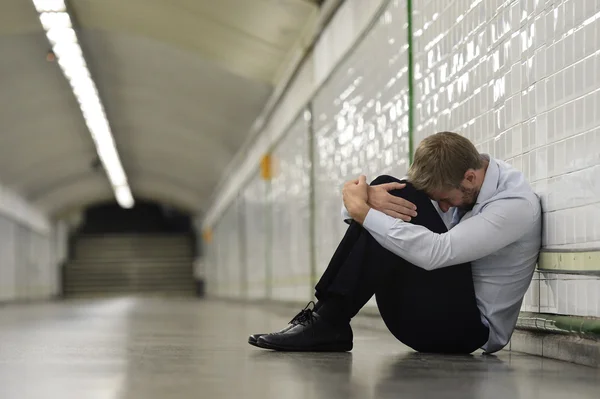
519, 79
29, 261
566, 294
209, 263
256, 237
289, 199
361, 123
221, 273
230, 271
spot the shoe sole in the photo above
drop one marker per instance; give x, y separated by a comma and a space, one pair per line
336, 347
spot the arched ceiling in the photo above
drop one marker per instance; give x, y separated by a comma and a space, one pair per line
182, 81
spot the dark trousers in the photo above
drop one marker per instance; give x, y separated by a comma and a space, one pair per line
429, 311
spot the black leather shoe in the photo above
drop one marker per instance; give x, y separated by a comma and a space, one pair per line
252, 340
309, 333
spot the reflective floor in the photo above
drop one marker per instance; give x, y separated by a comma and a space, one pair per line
186, 348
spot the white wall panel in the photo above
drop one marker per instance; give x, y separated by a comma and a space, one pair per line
19, 210
8, 260
230, 267
567, 294
361, 123
30, 261
222, 243
290, 207
343, 31
256, 236
519, 79
211, 264
220, 246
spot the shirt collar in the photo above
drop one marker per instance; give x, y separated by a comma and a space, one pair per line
490, 181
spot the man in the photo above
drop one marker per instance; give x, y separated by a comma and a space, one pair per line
448, 254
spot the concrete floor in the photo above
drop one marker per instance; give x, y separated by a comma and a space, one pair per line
186, 348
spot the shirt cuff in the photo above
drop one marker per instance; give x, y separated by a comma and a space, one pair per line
379, 224
345, 215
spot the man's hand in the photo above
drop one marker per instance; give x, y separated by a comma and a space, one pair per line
355, 198
396, 207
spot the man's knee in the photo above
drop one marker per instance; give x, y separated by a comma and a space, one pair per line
409, 192
383, 179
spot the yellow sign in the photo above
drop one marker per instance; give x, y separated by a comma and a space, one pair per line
266, 167
207, 235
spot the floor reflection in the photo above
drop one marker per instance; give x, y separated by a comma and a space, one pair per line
435, 376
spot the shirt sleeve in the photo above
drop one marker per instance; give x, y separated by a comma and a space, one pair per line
345, 215
499, 224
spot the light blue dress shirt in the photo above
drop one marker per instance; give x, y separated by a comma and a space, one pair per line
500, 236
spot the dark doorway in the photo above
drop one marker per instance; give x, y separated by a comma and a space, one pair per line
144, 217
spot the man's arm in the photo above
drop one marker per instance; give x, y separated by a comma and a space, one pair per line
379, 198
498, 225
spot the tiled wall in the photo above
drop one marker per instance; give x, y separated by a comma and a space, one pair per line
566, 294
29, 261
518, 78
290, 208
361, 123
230, 271
254, 216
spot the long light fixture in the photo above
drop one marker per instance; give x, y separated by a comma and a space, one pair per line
57, 23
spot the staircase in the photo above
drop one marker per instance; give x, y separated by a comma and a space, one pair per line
124, 264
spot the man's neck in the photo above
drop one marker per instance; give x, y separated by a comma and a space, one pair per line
481, 173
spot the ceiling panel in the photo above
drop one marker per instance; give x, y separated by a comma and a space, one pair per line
182, 82
248, 37
18, 17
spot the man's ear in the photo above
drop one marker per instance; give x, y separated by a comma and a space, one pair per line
470, 177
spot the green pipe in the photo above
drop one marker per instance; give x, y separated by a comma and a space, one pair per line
588, 327
411, 83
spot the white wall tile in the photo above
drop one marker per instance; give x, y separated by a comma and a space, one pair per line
519, 79
256, 236
551, 133
30, 259
361, 124
289, 201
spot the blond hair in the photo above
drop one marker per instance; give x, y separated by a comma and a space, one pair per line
441, 161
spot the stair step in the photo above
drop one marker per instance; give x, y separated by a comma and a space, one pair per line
129, 287
129, 280
130, 263
133, 251
119, 279
134, 241
125, 287
102, 244
127, 292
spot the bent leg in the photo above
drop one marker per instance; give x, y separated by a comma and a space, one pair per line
360, 264
433, 311
430, 311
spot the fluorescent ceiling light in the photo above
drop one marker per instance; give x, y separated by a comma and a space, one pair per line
49, 5
124, 196
61, 35
52, 20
